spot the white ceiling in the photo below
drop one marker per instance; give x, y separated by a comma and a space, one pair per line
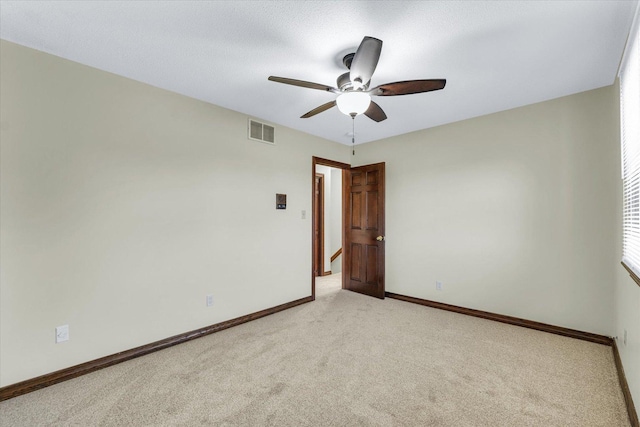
495, 55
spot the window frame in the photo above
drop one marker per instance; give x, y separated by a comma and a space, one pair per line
630, 152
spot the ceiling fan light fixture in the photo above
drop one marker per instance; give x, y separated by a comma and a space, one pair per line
353, 86
353, 103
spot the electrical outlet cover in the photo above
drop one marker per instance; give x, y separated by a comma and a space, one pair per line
62, 333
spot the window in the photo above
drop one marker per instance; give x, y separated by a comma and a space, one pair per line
630, 140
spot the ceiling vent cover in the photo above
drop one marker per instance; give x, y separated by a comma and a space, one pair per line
262, 132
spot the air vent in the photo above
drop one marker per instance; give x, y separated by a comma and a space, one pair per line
261, 132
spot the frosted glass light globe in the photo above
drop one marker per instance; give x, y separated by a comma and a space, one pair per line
350, 103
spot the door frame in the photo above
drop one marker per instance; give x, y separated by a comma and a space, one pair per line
333, 164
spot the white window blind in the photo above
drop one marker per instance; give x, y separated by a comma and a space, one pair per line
630, 140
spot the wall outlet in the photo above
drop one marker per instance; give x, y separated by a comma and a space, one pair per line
438, 286
303, 214
624, 339
62, 333
209, 300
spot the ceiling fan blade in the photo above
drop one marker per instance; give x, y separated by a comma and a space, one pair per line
365, 60
302, 83
375, 113
408, 87
318, 110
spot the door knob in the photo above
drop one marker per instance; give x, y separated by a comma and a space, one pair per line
380, 238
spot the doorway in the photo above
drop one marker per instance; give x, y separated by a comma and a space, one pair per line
327, 220
358, 226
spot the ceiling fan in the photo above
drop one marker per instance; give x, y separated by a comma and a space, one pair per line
353, 86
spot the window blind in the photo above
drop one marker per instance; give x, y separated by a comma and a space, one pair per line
630, 140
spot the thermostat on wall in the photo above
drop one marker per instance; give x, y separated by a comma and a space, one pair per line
281, 201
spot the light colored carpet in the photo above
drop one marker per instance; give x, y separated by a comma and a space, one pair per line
346, 360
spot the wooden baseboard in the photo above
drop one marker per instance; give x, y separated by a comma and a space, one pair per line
46, 380
327, 273
631, 409
586, 336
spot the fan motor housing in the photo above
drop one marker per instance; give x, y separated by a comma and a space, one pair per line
348, 59
344, 81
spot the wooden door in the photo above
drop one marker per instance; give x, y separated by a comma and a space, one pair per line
363, 251
318, 226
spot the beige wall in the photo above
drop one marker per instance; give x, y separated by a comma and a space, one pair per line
124, 205
513, 212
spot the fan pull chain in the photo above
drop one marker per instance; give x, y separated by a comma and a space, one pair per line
353, 134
